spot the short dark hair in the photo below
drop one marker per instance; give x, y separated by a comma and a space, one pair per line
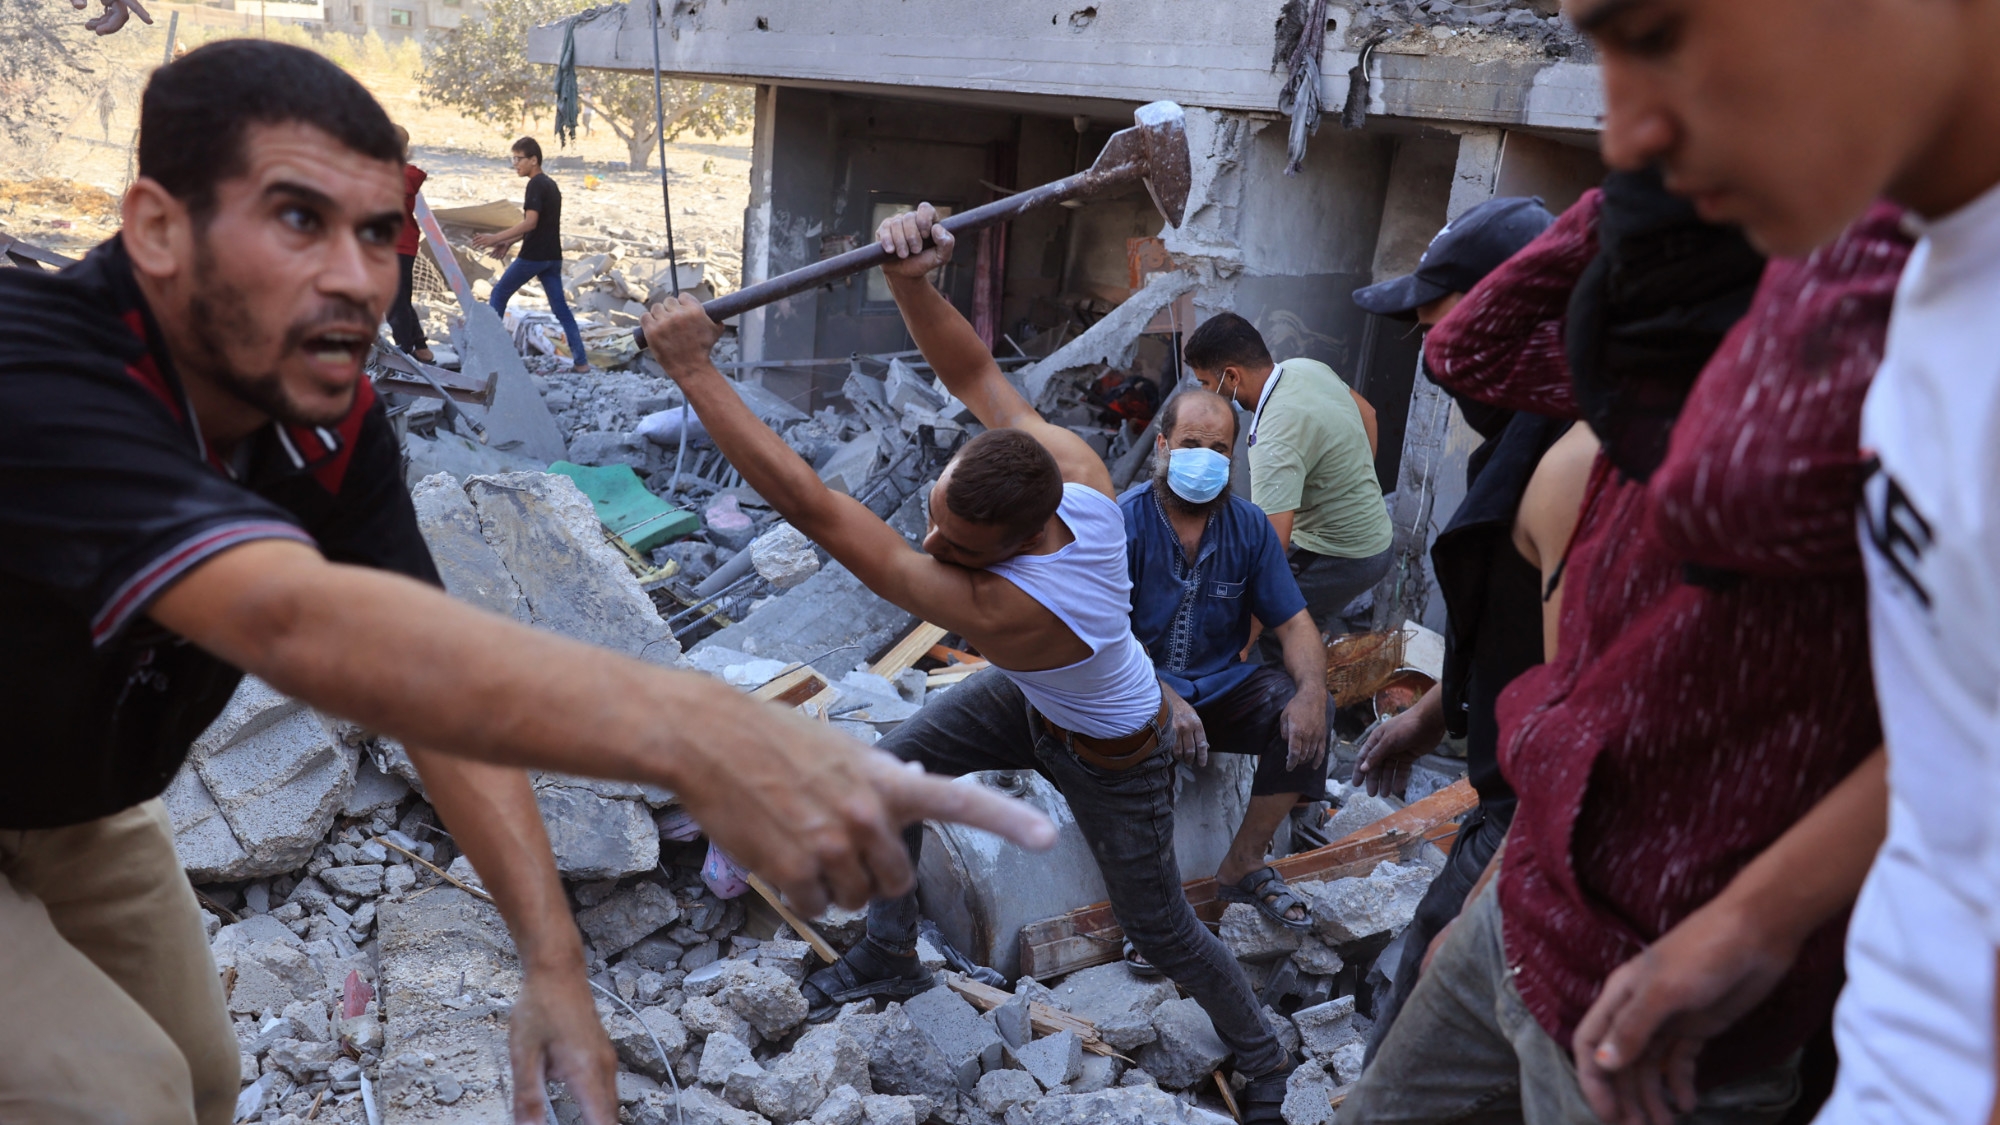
1170, 414
196, 110
1225, 340
1007, 478
529, 147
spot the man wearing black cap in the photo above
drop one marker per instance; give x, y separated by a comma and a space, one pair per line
1530, 465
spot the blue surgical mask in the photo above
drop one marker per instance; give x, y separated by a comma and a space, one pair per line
1197, 475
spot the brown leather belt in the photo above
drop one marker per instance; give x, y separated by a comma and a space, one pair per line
1121, 753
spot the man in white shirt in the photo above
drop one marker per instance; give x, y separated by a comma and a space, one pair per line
1789, 117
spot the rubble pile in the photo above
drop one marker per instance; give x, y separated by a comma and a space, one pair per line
1476, 30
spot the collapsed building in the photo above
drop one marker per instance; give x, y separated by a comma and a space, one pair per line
370, 977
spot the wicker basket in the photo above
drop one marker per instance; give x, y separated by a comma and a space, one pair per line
1358, 664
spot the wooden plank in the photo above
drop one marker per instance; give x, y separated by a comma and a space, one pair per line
1091, 935
792, 688
799, 925
1042, 1018
909, 650
952, 655
954, 675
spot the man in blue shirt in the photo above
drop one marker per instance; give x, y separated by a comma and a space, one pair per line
1203, 563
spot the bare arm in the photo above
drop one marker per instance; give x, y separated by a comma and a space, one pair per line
512, 234
1304, 720
954, 351
971, 603
812, 811
1368, 422
1636, 1047
1281, 522
553, 1031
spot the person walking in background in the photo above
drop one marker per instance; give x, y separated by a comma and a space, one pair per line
540, 234
1312, 463
403, 323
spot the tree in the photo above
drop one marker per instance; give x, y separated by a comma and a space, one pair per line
482, 69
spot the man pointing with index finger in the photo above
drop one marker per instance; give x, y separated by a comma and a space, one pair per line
198, 482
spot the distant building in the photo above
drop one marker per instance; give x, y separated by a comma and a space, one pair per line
395, 17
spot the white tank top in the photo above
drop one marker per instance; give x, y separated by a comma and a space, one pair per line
1113, 691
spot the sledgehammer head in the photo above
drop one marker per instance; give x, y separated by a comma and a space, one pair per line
1155, 150
1163, 129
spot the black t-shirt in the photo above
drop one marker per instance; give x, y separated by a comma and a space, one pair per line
544, 198
107, 497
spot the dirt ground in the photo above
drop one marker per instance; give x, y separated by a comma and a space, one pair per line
63, 195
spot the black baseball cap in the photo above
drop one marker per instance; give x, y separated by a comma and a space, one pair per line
1466, 250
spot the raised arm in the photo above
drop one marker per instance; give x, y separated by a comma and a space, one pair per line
955, 352
961, 600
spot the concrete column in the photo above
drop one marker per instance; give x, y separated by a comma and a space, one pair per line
1436, 439
757, 219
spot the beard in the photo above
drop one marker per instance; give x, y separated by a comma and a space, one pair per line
1173, 500
219, 312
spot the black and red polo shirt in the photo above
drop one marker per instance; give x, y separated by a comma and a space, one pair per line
107, 496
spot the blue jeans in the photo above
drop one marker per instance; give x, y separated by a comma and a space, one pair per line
519, 272
985, 723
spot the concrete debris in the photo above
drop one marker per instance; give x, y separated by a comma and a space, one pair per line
1325, 1029
969, 1044
260, 787
619, 922
824, 1059
471, 570
1349, 910
1123, 1105
1186, 1049
547, 535
1055, 1060
634, 1039
784, 557
449, 975
595, 834
1253, 937
1100, 993
903, 1060
1308, 1098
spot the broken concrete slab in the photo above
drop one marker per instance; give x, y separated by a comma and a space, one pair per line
518, 421
852, 465
1326, 1028
796, 1084
1348, 910
634, 1039
722, 1054
1103, 991
596, 836
694, 1106
832, 610
766, 998
1315, 958
599, 448
636, 912
1121, 1105
547, 535
1308, 1096
1127, 1031
1002, 1090
1054, 1060
968, 1043
903, 1060
471, 569
1253, 937
448, 976
1187, 1050
373, 790
784, 557
260, 787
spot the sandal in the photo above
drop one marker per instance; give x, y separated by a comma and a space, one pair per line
1136, 961
1262, 1100
1267, 890
865, 972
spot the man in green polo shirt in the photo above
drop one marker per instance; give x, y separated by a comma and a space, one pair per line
1312, 461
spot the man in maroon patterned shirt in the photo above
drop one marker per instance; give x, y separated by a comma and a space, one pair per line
1711, 687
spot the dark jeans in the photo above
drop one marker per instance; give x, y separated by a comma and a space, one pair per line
403, 323
519, 272
1246, 720
1128, 818
1467, 1050
1477, 840
1328, 583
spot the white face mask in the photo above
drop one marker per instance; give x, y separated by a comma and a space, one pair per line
1197, 475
